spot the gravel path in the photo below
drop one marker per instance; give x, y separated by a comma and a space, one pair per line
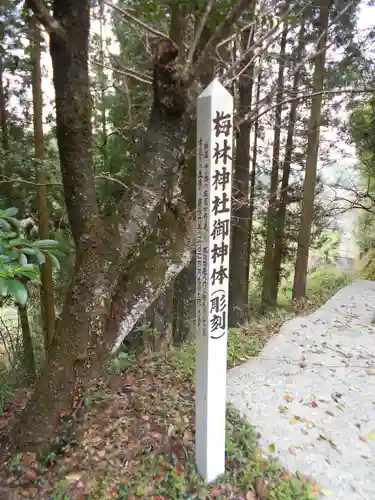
311, 394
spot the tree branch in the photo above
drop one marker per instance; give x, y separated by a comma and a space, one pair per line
44, 17
197, 37
131, 73
130, 17
154, 275
221, 32
366, 90
148, 297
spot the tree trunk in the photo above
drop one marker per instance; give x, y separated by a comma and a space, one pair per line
162, 316
282, 205
184, 287
27, 344
184, 306
269, 297
3, 113
253, 172
104, 134
47, 298
73, 113
96, 316
82, 342
300, 275
240, 257
6, 189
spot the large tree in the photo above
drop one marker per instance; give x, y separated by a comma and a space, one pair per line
103, 301
300, 276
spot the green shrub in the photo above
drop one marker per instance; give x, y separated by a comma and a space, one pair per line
367, 267
325, 281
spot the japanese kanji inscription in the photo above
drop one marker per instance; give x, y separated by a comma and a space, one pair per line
213, 211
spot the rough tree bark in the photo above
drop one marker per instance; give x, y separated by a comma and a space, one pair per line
27, 344
300, 273
162, 316
269, 297
184, 306
240, 245
103, 105
90, 329
282, 204
253, 171
47, 298
6, 190
3, 113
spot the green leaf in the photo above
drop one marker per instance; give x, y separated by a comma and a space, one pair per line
17, 241
15, 222
10, 235
30, 267
17, 290
45, 243
54, 261
3, 288
9, 212
23, 259
5, 225
29, 251
32, 273
40, 256
14, 254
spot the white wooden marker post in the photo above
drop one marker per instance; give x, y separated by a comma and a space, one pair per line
214, 179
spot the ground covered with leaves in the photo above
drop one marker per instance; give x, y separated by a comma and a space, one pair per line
135, 438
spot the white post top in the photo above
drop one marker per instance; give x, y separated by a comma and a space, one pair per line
215, 89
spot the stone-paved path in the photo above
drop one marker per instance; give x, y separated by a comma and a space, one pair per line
311, 394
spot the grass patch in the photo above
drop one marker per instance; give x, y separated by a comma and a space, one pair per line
325, 281
322, 283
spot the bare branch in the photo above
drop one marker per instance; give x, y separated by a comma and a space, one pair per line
44, 17
127, 15
112, 179
221, 32
197, 37
365, 90
131, 73
235, 35
17, 180
270, 37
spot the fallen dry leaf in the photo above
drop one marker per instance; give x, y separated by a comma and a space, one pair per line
251, 495
285, 475
261, 488
72, 478
330, 413
294, 420
30, 475
326, 493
